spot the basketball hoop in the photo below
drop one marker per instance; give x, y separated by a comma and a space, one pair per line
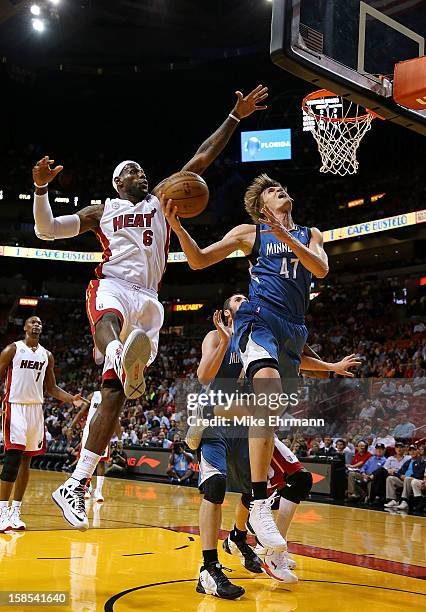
338, 126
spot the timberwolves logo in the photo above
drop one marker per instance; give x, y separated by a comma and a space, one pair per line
252, 146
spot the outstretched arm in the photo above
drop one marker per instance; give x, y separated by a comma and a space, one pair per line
340, 367
241, 237
48, 227
214, 145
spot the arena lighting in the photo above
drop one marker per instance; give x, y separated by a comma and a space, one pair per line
24, 196
359, 230
314, 294
186, 307
422, 281
28, 301
35, 10
358, 202
38, 25
62, 200
56, 2
376, 197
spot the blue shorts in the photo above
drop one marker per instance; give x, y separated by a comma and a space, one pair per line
229, 456
264, 336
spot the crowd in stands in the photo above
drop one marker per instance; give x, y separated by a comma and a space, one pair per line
383, 405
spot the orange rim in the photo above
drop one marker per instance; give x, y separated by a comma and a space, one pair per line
325, 93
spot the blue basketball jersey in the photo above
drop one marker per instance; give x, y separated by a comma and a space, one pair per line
277, 276
229, 370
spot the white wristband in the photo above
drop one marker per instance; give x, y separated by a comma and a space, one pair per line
40, 186
234, 117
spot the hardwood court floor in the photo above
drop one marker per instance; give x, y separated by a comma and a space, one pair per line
144, 554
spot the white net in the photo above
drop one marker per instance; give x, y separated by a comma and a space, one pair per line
338, 127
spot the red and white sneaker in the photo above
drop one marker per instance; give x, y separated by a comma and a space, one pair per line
5, 525
131, 361
275, 564
15, 519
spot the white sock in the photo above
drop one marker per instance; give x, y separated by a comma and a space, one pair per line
4, 504
16, 504
113, 350
99, 483
86, 465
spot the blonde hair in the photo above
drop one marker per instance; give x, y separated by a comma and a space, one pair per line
253, 196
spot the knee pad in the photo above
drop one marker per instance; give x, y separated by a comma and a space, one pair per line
297, 486
246, 498
215, 488
11, 463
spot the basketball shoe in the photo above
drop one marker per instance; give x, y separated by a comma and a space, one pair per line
88, 492
5, 520
98, 497
247, 556
212, 581
130, 362
261, 524
275, 564
195, 431
15, 519
70, 499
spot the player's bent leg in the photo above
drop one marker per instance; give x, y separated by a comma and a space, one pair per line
9, 474
236, 542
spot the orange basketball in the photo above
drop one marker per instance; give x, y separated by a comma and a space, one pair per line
188, 191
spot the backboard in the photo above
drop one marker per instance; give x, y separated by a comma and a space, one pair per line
348, 46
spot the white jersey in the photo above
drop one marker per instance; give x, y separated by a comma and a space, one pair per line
94, 403
135, 242
25, 375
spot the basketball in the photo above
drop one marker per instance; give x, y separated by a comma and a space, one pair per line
188, 191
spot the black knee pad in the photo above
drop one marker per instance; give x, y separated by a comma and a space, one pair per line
297, 486
246, 499
214, 489
11, 463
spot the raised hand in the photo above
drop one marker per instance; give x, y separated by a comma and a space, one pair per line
246, 105
43, 173
278, 228
170, 212
224, 331
342, 367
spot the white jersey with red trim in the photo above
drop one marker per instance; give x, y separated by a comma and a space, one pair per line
25, 375
135, 242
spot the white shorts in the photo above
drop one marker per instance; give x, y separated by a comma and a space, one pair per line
105, 456
23, 428
137, 308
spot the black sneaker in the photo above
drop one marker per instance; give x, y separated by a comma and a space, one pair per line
212, 581
248, 557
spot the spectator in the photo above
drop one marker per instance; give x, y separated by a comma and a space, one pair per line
388, 388
118, 461
179, 469
384, 437
328, 449
405, 389
343, 452
405, 429
358, 481
391, 467
410, 479
314, 450
163, 442
361, 456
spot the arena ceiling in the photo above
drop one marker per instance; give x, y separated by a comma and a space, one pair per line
133, 34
